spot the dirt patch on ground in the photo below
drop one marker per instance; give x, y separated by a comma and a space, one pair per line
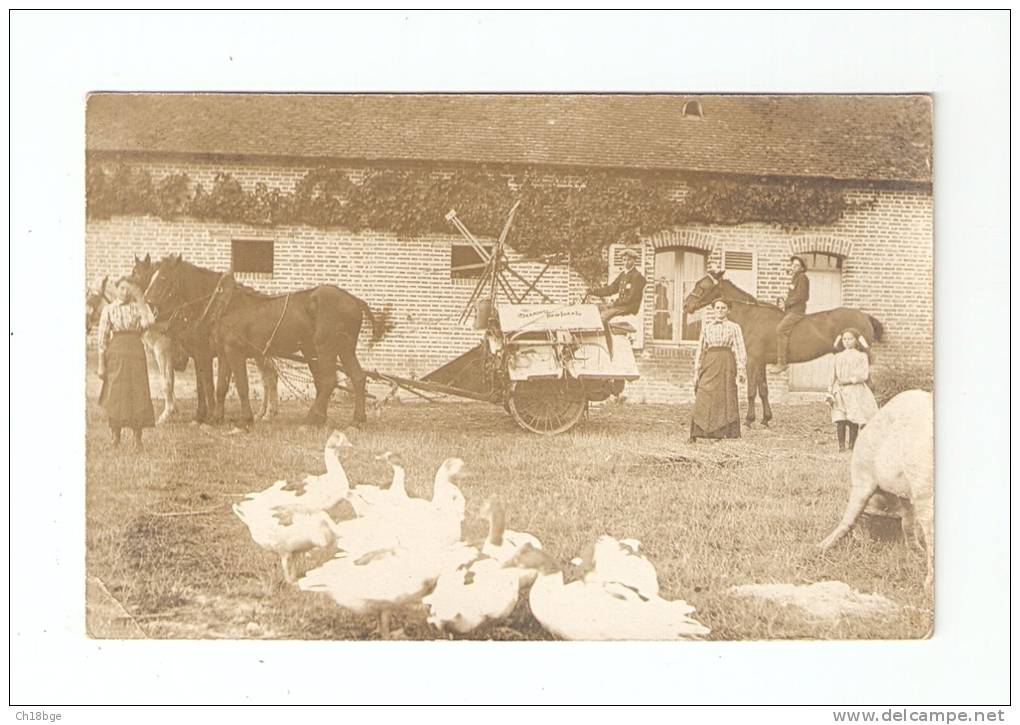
827, 601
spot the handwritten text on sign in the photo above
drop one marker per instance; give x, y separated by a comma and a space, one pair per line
549, 317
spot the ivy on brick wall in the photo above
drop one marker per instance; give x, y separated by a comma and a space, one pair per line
577, 217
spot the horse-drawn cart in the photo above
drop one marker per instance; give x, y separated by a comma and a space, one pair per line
543, 362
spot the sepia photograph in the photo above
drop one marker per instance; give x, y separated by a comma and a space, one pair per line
516, 358
509, 366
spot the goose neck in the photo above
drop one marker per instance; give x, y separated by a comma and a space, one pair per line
497, 525
399, 481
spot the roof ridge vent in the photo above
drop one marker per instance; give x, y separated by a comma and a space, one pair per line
692, 109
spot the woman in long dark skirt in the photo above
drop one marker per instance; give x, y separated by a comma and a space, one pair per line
122, 365
720, 360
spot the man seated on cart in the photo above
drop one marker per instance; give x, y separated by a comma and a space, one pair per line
629, 288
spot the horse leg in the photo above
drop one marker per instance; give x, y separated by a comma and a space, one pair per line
349, 360
204, 386
262, 405
270, 399
223, 375
763, 393
165, 362
324, 374
239, 367
271, 393
752, 388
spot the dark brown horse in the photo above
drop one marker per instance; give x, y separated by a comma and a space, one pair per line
811, 338
318, 324
179, 321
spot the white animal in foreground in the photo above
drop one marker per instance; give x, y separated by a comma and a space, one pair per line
288, 520
502, 544
286, 533
417, 525
379, 581
467, 597
316, 492
621, 562
486, 589
377, 501
583, 610
895, 455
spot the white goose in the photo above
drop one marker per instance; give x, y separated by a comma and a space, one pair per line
288, 520
467, 597
583, 610
379, 581
429, 525
486, 589
314, 493
377, 501
502, 544
621, 562
286, 533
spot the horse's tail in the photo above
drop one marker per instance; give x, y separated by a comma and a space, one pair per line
380, 319
877, 327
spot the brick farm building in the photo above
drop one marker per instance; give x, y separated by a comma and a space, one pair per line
870, 155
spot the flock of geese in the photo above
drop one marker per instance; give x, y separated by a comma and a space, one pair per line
399, 550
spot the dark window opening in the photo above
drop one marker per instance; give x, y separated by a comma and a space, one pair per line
252, 256
466, 262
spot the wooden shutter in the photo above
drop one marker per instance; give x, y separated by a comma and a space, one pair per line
615, 267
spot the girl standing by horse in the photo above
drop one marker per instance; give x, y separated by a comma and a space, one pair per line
721, 359
853, 403
122, 365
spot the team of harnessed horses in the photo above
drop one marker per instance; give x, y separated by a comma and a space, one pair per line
203, 314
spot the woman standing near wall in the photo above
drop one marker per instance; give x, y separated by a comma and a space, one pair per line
122, 365
719, 362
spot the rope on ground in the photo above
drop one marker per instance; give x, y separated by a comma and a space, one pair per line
161, 514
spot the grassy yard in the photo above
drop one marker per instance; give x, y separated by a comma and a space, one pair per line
164, 543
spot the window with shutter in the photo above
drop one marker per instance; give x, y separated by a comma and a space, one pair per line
742, 270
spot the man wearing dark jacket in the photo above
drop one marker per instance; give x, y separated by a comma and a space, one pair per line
795, 306
629, 288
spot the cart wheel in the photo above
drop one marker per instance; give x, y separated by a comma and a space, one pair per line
547, 406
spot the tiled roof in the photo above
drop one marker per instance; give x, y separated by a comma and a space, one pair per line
840, 137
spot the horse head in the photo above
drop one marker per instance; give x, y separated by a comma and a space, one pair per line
713, 287
95, 301
706, 291
164, 282
142, 271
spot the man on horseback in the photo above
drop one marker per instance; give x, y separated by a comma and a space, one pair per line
795, 307
629, 287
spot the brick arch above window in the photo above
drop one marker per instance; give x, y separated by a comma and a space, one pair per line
828, 244
682, 238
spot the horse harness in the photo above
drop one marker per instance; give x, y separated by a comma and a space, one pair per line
221, 310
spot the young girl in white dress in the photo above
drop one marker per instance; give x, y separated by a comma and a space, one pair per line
853, 403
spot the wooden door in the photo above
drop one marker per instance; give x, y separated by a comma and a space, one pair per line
826, 293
